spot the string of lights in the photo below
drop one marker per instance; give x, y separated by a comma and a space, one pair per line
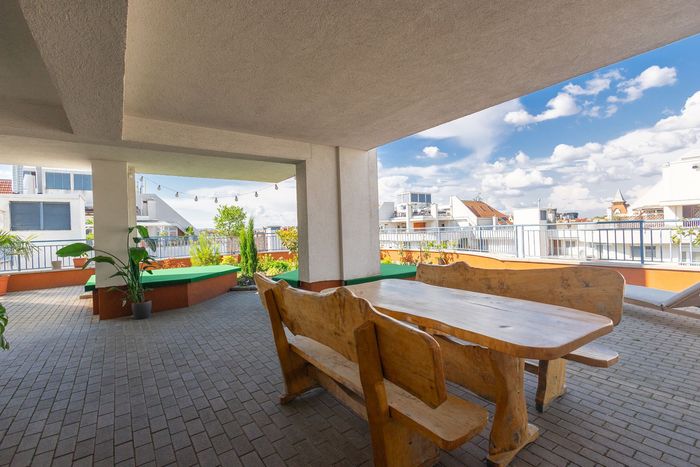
215, 197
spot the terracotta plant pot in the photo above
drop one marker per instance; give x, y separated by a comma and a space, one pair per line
141, 310
4, 280
56, 265
79, 262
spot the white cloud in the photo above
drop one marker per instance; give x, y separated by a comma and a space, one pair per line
515, 179
562, 105
522, 158
573, 197
480, 132
432, 152
573, 177
652, 77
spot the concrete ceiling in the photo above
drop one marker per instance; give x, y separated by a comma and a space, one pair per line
23, 75
253, 82
363, 73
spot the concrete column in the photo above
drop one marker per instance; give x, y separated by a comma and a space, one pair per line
114, 201
338, 217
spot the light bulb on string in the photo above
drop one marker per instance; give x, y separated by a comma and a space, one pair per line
158, 187
256, 194
177, 194
235, 198
216, 200
196, 198
276, 187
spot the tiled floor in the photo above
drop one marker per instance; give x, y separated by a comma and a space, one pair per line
200, 386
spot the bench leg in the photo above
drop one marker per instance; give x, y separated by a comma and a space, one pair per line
296, 376
551, 382
510, 431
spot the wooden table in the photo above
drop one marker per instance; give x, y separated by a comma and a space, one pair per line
501, 333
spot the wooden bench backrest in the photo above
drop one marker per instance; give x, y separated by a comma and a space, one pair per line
410, 358
591, 289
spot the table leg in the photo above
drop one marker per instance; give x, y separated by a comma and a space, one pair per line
551, 382
510, 431
499, 378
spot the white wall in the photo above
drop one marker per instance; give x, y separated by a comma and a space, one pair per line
77, 216
462, 214
386, 210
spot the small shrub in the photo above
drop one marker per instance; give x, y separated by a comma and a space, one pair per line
290, 240
172, 263
249, 252
229, 261
204, 252
272, 267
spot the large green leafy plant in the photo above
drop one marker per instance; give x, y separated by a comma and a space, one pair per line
138, 263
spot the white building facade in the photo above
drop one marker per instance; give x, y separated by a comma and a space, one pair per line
416, 211
44, 217
41, 180
677, 194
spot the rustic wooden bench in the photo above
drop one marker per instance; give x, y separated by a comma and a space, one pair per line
594, 290
385, 371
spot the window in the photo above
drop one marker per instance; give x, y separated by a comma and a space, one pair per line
39, 216
25, 216
414, 197
82, 182
57, 181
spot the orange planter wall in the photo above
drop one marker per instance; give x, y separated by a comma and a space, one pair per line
34, 280
108, 303
648, 276
48, 279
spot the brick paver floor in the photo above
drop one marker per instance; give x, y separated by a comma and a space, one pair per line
200, 386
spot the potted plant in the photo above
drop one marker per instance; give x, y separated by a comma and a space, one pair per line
80, 261
138, 263
10, 245
56, 264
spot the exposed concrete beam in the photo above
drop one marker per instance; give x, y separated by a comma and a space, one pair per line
83, 45
77, 155
178, 135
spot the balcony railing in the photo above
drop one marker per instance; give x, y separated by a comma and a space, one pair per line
639, 241
166, 247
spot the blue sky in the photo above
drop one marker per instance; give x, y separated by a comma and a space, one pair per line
570, 146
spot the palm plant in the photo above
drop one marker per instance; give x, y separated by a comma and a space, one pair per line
11, 244
138, 263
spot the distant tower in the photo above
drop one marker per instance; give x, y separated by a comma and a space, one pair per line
619, 205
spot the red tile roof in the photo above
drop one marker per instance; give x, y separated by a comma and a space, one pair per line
5, 186
481, 209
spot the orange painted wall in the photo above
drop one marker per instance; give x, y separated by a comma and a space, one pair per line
648, 276
48, 279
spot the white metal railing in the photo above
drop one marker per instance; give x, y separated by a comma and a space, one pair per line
639, 241
166, 247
